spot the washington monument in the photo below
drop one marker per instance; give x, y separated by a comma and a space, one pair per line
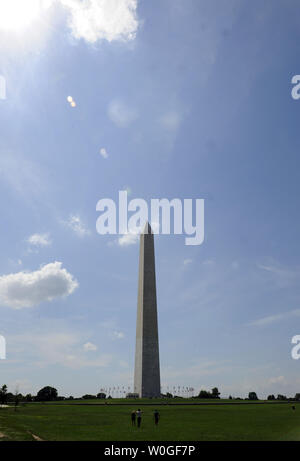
147, 372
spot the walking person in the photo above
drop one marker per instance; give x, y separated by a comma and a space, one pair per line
139, 417
133, 418
156, 417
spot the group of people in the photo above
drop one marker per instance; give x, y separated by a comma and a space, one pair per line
136, 417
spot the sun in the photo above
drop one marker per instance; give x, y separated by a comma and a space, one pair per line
17, 15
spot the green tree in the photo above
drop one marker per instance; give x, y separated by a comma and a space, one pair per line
204, 394
281, 397
215, 393
252, 396
46, 394
3, 394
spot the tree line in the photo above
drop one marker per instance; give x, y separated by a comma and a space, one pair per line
48, 394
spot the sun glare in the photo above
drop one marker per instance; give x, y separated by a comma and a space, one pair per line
16, 15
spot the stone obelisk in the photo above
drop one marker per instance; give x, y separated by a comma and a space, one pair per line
147, 372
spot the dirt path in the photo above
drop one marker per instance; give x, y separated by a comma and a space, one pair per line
36, 437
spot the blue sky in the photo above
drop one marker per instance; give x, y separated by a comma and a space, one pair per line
189, 99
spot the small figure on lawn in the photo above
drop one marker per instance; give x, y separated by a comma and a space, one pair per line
133, 418
156, 417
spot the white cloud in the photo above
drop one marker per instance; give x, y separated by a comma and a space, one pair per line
133, 235
17, 262
121, 114
90, 347
276, 318
171, 121
90, 20
27, 289
103, 152
110, 20
118, 335
64, 348
187, 261
283, 276
75, 223
128, 239
275, 269
209, 262
277, 379
39, 240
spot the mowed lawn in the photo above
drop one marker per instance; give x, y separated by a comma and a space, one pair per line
178, 423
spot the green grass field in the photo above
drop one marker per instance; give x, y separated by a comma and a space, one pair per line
111, 422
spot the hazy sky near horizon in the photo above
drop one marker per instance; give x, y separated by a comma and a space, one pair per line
176, 98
